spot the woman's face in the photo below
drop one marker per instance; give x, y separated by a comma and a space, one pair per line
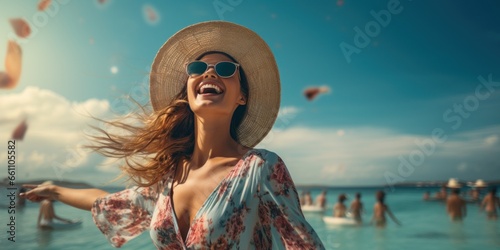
210, 94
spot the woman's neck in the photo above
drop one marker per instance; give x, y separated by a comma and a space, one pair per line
212, 139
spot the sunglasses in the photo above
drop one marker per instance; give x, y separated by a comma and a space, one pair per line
223, 69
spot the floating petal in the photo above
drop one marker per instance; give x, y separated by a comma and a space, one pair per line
43, 4
21, 27
20, 131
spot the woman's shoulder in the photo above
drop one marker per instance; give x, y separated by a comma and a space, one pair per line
264, 154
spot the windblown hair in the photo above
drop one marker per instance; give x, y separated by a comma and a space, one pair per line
161, 141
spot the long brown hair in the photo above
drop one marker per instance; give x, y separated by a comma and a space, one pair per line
161, 141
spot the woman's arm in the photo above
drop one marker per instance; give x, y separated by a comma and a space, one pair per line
79, 198
392, 216
287, 227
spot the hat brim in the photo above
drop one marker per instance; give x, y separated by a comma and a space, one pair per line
481, 186
168, 74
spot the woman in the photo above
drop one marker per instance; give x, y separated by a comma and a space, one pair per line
339, 210
201, 182
357, 208
380, 209
490, 203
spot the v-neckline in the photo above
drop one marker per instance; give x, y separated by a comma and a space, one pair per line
171, 198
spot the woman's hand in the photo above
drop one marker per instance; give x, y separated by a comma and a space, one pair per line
39, 192
79, 198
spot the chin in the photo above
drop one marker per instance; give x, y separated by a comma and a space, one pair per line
210, 108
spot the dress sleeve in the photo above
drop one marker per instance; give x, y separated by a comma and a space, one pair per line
124, 215
280, 211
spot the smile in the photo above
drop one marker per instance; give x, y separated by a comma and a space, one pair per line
209, 88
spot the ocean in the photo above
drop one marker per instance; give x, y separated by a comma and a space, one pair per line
425, 225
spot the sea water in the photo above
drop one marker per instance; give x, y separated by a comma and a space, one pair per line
425, 225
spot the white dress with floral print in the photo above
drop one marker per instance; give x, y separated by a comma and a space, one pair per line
255, 206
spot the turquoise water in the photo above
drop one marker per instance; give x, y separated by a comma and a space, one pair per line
425, 226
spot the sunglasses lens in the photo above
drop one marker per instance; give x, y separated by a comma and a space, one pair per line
196, 68
225, 69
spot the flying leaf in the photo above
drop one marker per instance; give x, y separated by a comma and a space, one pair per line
20, 130
10, 77
312, 92
21, 27
4, 80
150, 14
43, 4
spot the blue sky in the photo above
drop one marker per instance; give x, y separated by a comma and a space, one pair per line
417, 73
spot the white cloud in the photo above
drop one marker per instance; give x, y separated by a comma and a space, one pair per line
340, 132
321, 156
491, 140
333, 170
110, 165
462, 167
325, 155
288, 112
114, 70
37, 159
52, 146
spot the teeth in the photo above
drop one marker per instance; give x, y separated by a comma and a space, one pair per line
208, 85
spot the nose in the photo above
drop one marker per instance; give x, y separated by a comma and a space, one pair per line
210, 73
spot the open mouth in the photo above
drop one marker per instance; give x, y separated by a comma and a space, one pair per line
210, 89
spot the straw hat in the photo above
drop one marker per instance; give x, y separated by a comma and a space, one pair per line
480, 183
168, 74
453, 183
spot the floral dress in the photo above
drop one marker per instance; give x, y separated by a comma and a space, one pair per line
255, 206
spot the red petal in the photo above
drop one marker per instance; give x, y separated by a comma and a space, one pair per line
20, 130
43, 4
21, 27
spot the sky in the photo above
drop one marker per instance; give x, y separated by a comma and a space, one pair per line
414, 85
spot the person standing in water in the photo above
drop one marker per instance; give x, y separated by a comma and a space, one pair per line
357, 208
456, 205
308, 199
442, 194
321, 199
379, 211
427, 196
490, 204
339, 210
47, 213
